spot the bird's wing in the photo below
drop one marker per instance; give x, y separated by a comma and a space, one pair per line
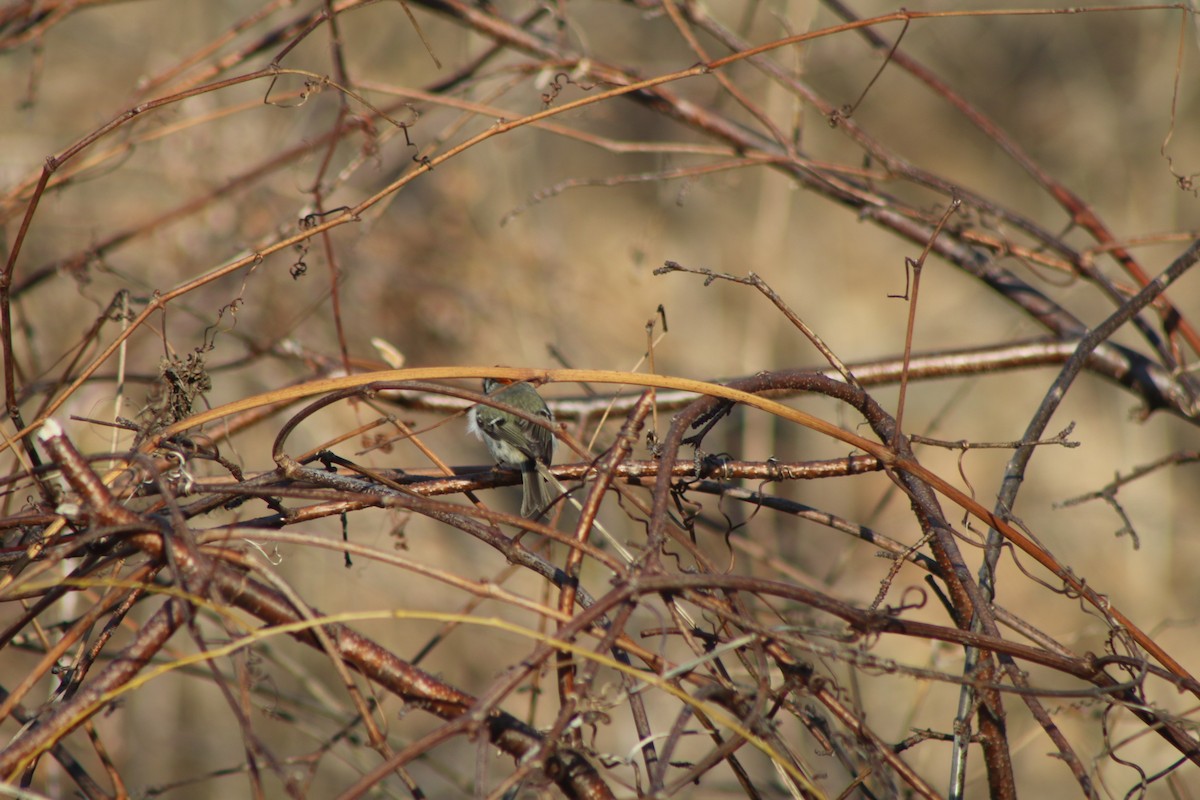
533, 440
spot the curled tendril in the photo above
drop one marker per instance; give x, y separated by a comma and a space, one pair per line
561, 81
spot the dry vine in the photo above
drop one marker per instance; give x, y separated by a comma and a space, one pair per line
177, 620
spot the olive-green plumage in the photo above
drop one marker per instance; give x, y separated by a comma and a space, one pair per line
515, 441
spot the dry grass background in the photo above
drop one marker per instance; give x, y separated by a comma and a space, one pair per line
491, 257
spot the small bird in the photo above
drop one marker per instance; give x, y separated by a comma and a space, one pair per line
516, 442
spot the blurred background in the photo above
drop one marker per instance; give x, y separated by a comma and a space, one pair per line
536, 247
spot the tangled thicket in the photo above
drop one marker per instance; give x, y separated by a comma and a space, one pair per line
239, 556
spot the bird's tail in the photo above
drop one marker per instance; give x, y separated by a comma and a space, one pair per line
535, 496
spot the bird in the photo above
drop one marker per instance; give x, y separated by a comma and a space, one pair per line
514, 441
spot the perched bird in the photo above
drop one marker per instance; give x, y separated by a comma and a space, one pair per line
516, 442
